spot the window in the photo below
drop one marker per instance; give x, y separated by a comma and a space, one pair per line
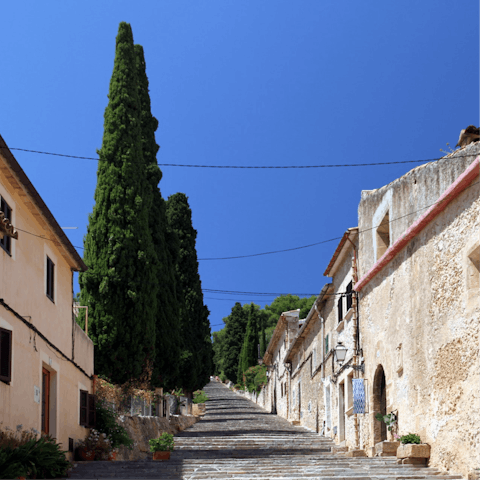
50, 280
383, 235
5, 355
6, 241
326, 344
349, 295
87, 409
340, 308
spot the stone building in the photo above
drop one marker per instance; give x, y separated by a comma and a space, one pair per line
419, 299
404, 305
277, 395
304, 359
46, 360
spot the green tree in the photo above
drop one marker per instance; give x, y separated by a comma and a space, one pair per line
284, 303
234, 335
219, 350
167, 328
120, 285
249, 353
197, 355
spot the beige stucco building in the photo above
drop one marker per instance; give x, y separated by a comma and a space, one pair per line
46, 360
404, 301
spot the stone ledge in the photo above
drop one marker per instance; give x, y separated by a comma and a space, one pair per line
412, 450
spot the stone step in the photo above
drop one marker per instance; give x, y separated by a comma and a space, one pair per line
236, 439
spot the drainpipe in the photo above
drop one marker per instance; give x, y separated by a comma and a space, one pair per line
355, 336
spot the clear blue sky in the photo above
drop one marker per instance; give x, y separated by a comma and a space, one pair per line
245, 83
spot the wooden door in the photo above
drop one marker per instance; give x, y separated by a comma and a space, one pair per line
45, 400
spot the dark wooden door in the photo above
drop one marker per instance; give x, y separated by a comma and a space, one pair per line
45, 400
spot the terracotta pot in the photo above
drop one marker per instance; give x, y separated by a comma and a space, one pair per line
113, 456
87, 455
161, 455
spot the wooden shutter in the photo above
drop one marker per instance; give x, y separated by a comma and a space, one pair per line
326, 345
5, 355
83, 408
340, 309
50, 280
349, 295
91, 411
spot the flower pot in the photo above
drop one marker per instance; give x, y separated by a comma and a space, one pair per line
86, 455
112, 456
159, 455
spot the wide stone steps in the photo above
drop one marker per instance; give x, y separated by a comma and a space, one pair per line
236, 439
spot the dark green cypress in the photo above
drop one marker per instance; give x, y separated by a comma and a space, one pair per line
196, 362
168, 341
120, 285
233, 343
249, 353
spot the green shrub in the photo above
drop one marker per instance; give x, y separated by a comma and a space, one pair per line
200, 396
410, 438
164, 443
255, 378
40, 458
107, 423
223, 377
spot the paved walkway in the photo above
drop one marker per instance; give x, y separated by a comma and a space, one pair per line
236, 439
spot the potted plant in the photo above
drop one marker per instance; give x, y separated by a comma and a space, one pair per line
162, 446
412, 451
86, 448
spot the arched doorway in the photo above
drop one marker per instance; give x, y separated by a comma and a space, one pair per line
379, 405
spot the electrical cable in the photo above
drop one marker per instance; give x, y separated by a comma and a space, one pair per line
271, 167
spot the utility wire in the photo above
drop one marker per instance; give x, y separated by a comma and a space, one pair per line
294, 248
345, 165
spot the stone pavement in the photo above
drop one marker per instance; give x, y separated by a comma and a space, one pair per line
237, 439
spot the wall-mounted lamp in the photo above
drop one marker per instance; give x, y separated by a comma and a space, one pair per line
340, 352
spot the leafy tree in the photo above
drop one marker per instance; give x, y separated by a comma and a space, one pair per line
166, 244
120, 285
234, 335
284, 303
196, 358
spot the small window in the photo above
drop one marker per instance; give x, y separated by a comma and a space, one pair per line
5, 355
50, 280
326, 344
87, 409
340, 309
6, 241
349, 295
383, 235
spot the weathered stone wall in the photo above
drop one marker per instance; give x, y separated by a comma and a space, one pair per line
142, 429
420, 315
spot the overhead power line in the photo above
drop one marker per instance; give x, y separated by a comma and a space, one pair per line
268, 167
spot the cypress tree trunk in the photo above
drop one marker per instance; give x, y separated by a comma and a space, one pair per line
120, 286
168, 342
197, 354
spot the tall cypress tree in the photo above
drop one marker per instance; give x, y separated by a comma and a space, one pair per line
120, 285
234, 336
197, 355
249, 353
166, 244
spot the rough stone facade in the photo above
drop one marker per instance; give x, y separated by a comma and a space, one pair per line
420, 313
410, 327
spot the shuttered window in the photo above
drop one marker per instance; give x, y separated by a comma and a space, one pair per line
50, 280
5, 355
6, 241
87, 409
326, 344
349, 295
340, 309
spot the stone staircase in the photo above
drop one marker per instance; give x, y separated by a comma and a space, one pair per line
236, 439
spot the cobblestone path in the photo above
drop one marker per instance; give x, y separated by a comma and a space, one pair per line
236, 439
